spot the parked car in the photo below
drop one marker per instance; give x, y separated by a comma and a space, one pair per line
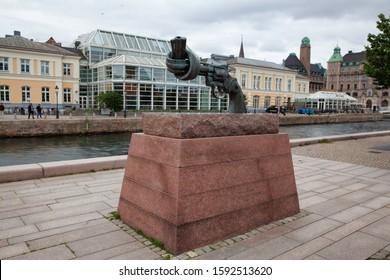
276, 109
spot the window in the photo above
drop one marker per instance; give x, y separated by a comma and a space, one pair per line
66, 69
277, 101
256, 82
45, 94
143, 43
131, 72
159, 75
289, 83
3, 63
385, 93
25, 94
268, 81
145, 74
267, 101
117, 71
4, 93
25, 65
255, 102
67, 95
45, 67
243, 80
278, 84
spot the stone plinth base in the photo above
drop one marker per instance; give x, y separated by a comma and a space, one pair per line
188, 193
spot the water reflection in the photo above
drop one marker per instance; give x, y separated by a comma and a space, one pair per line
307, 131
14, 151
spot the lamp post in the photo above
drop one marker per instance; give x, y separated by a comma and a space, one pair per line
57, 115
124, 103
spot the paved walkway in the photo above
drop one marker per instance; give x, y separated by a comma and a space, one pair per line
345, 215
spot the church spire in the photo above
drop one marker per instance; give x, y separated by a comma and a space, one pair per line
242, 48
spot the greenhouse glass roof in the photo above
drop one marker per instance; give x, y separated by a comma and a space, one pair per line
117, 40
131, 60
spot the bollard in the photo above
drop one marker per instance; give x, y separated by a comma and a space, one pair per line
15, 116
115, 115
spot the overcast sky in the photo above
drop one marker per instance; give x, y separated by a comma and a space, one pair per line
271, 29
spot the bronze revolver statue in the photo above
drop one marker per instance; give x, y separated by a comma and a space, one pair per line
185, 65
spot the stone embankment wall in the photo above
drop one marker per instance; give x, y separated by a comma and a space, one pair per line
332, 118
50, 127
44, 127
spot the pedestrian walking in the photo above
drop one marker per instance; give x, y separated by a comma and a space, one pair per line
2, 108
30, 110
39, 111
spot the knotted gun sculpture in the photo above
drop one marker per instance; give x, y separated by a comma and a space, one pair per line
185, 65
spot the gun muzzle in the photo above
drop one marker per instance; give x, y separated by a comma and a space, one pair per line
179, 47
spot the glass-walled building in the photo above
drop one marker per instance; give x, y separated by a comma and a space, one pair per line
134, 66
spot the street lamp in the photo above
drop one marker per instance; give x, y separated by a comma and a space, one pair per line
124, 103
57, 116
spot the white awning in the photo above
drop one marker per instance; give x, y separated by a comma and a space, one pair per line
326, 95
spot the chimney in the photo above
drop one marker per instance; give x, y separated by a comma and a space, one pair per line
17, 33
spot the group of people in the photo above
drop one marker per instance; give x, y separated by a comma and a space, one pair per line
30, 110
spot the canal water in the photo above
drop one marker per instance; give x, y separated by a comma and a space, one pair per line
14, 151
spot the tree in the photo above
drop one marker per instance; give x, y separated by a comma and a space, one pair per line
377, 63
110, 100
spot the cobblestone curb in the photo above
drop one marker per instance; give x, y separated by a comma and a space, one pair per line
165, 255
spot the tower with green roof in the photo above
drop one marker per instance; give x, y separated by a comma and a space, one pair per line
334, 68
304, 55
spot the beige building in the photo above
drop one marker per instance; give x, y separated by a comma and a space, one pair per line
40, 73
266, 83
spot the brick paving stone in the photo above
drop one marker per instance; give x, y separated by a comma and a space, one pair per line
62, 213
54, 231
357, 246
60, 252
331, 207
351, 214
380, 229
18, 231
267, 250
10, 223
13, 250
68, 221
100, 242
305, 250
71, 236
313, 230
113, 251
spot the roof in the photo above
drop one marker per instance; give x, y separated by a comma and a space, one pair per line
305, 41
317, 69
259, 63
328, 95
124, 41
21, 43
132, 60
293, 62
354, 57
336, 57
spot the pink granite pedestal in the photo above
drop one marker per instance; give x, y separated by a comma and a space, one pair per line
190, 192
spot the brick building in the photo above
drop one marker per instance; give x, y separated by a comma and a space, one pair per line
346, 74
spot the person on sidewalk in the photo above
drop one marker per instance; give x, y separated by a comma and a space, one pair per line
30, 110
2, 108
39, 111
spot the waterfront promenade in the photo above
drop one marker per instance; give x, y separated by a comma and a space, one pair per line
345, 213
